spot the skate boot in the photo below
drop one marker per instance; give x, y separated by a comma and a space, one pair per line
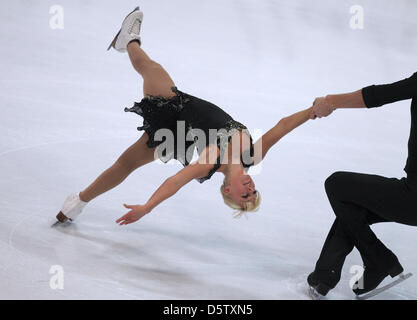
321, 282
71, 208
375, 272
128, 32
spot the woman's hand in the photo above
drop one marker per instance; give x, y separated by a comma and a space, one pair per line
136, 212
322, 107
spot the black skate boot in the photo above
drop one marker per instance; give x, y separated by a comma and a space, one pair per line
322, 281
384, 264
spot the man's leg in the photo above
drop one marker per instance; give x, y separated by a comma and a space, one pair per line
351, 196
411, 166
363, 199
359, 200
336, 248
333, 254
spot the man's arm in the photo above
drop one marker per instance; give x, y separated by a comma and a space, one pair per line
368, 97
376, 96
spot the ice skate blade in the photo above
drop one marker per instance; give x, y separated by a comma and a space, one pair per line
314, 295
59, 224
401, 277
114, 41
55, 224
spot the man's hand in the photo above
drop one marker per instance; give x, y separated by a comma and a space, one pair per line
136, 212
321, 108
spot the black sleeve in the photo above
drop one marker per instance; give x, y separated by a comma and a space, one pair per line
378, 95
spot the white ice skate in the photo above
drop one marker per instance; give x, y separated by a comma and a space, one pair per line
71, 208
129, 31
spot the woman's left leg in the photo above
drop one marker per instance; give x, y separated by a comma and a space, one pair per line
156, 81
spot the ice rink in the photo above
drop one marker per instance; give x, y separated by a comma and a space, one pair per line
62, 123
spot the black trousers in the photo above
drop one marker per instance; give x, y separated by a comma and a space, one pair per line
360, 200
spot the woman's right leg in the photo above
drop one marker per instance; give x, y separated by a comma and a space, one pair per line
134, 157
156, 81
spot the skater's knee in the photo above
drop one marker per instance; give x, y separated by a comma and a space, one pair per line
335, 182
145, 65
126, 165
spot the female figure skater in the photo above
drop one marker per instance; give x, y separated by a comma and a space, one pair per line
229, 150
360, 200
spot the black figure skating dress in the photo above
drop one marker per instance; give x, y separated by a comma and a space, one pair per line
188, 120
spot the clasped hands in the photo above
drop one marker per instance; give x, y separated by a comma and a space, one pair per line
322, 107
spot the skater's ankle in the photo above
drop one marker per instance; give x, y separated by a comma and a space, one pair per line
80, 195
132, 43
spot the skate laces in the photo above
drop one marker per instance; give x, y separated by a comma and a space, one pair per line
135, 27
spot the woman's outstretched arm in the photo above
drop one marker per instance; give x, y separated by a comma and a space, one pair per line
283, 127
167, 189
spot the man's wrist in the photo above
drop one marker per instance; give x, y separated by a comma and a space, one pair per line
331, 100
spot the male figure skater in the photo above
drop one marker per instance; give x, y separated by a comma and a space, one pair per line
360, 200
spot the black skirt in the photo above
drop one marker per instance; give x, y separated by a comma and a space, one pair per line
181, 118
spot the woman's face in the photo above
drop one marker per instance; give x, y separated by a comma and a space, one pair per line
241, 189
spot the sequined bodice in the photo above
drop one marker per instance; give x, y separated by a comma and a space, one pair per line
196, 115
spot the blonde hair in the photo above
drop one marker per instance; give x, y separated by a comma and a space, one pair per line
249, 206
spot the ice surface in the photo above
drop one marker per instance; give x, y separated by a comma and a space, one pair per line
62, 123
